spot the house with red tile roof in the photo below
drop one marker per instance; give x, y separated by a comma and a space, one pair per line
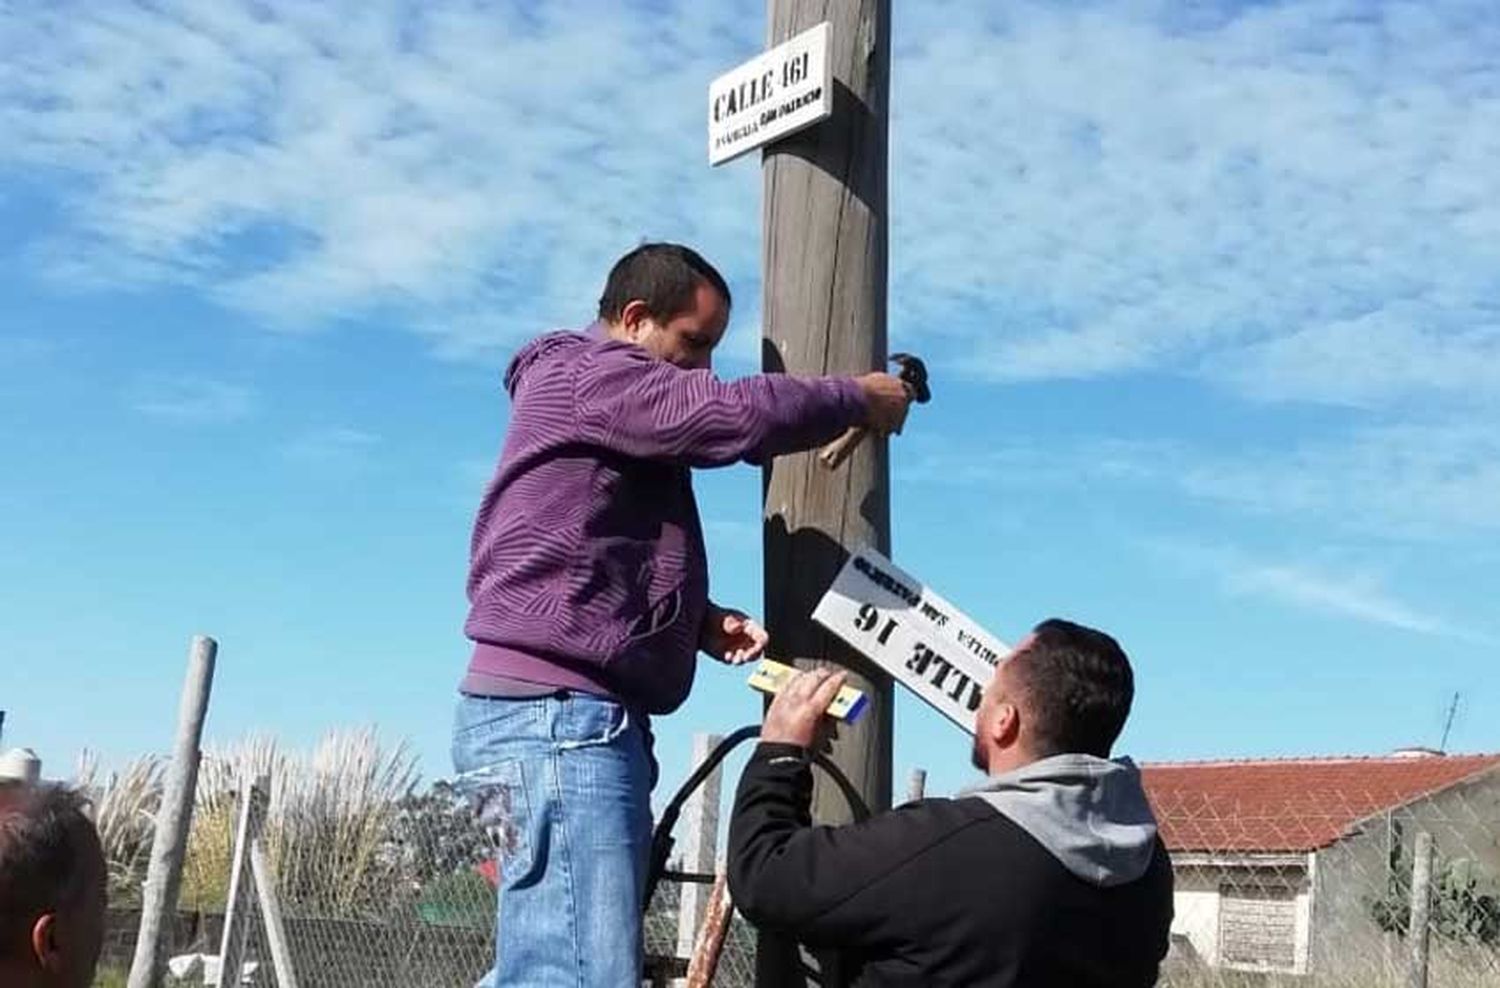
1303, 865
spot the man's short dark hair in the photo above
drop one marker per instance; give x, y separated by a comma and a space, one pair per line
47, 846
664, 276
1077, 686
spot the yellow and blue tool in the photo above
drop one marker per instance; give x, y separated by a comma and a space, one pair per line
848, 704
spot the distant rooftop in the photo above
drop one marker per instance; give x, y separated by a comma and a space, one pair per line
1292, 804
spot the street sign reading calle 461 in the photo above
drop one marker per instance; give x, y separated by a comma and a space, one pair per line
772, 95
929, 646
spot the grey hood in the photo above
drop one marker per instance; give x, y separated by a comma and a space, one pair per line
1090, 813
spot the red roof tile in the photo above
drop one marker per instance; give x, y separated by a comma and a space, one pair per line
1297, 804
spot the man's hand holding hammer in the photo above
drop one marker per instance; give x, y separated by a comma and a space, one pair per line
887, 399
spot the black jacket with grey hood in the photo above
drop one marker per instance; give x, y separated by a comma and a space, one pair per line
1051, 876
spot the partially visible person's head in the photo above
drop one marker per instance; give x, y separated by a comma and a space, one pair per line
669, 300
1066, 689
52, 888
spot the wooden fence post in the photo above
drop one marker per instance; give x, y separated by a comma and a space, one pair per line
1421, 911
710, 945
173, 821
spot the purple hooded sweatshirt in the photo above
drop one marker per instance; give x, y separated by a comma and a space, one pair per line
587, 566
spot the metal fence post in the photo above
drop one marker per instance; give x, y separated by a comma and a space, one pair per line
916, 786
270, 913
236, 910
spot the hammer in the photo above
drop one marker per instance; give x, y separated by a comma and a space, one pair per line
914, 374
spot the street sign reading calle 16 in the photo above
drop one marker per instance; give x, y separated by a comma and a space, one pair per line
772, 95
928, 645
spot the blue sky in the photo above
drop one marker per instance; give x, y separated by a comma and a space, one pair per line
1210, 293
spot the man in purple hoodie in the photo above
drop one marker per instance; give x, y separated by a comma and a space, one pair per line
588, 588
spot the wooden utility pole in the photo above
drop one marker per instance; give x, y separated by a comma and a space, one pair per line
824, 309
824, 303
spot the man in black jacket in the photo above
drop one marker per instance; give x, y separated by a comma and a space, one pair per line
1049, 873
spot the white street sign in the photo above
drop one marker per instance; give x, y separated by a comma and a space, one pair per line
927, 644
772, 95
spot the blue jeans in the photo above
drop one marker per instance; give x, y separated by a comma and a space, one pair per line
563, 784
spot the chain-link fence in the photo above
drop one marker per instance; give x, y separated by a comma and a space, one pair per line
379, 883
1286, 879
1283, 880
1314, 874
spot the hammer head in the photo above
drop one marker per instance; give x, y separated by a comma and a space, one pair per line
914, 373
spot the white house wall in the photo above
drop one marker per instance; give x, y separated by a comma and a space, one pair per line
1196, 916
1198, 901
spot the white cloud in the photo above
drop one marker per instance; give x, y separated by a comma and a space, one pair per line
1349, 593
1395, 481
1355, 596
1423, 481
1135, 185
1297, 200
469, 170
335, 447
190, 400
1370, 360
